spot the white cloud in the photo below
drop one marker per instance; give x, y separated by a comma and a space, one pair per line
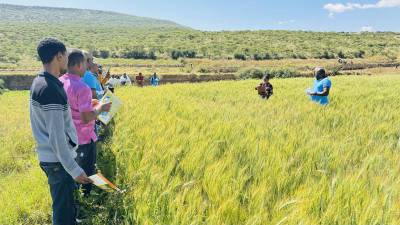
334, 8
286, 22
367, 29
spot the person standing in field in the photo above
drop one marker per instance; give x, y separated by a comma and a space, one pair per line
83, 114
103, 78
54, 132
322, 86
90, 77
154, 80
140, 80
265, 89
125, 80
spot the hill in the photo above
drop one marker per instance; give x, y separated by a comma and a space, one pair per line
50, 15
114, 35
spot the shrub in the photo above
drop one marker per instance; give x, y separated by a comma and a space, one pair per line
239, 56
104, 54
257, 73
327, 55
176, 54
189, 54
250, 73
359, 54
341, 54
138, 54
152, 55
257, 57
2, 87
267, 56
282, 73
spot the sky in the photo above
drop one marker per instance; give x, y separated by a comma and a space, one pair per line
216, 15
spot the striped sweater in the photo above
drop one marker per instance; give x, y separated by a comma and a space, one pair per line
51, 123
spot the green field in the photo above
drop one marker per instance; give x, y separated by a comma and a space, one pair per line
213, 153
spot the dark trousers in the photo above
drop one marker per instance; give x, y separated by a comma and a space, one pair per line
62, 188
86, 159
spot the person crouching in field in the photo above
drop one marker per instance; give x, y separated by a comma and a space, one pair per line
265, 89
140, 80
54, 132
83, 113
322, 85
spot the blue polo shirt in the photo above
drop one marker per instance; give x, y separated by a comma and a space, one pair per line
91, 80
319, 86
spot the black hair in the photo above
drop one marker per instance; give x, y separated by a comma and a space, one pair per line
75, 58
48, 48
320, 73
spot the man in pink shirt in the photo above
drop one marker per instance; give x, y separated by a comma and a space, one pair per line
83, 112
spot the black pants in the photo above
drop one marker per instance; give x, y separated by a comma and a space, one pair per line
62, 188
86, 159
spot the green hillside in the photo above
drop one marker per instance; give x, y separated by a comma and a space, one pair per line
114, 35
47, 15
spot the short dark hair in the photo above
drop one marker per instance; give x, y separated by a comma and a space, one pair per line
48, 48
319, 71
75, 58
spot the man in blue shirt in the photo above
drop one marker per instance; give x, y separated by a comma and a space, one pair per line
154, 80
90, 77
322, 85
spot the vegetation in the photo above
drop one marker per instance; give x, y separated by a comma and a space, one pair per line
24, 196
2, 87
256, 73
226, 157
123, 36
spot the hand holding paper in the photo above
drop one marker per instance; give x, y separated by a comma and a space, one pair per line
100, 181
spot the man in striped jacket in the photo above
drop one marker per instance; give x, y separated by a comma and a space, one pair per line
54, 131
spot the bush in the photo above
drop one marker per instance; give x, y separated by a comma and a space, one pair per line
341, 55
326, 55
257, 73
176, 54
152, 55
276, 56
359, 54
257, 57
250, 73
189, 54
266, 56
2, 87
104, 54
282, 73
239, 56
138, 54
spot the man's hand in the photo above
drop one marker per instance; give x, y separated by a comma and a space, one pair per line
83, 179
105, 107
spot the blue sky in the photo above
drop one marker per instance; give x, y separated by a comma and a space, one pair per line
316, 15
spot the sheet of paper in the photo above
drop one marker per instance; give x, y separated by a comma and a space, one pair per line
98, 181
105, 117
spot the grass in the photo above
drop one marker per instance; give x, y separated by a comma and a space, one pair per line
24, 194
214, 153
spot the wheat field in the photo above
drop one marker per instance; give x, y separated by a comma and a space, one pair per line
214, 153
